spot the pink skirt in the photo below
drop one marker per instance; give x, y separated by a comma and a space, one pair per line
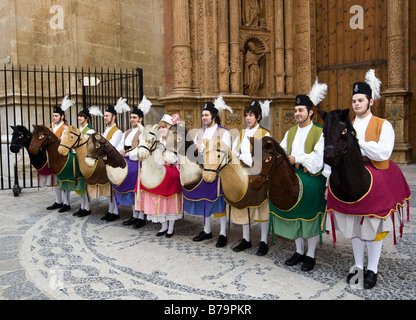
158, 208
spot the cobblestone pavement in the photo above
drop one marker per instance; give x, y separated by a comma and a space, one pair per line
46, 255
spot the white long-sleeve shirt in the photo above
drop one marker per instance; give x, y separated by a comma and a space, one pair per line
313, 161
209, 133
378, 151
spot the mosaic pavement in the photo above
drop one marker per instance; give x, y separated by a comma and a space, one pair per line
49, 255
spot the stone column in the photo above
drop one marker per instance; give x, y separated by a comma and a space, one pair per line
289, 50
279, 46
223, 48
397, 95
181, 48
235, 77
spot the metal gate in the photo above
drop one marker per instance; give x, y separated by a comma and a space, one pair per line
28, 96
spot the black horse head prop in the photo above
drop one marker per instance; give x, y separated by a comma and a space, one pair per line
339, 135
20, 138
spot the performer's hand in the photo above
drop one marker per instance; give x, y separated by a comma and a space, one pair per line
123, 152
326, 193
292, 160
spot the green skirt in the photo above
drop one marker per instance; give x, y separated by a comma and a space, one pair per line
305, 219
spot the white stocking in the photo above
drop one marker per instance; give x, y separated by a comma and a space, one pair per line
246, 232
264, 231
300, 245
358, 247
58, 195
223, 226
207, 225
312, 243
374, 253
171, 225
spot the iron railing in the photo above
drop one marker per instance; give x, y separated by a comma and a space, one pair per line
29, 94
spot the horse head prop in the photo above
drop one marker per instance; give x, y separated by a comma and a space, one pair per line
42, 137
20, 138
339, 135
71, 139
148, 141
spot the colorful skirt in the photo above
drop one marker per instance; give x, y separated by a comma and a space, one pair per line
305, 218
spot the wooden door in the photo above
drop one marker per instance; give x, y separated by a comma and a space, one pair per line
351, 38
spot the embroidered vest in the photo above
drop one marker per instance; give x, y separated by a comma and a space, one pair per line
86, 129
258, 134
135, 141
60, 130
373, 133
111, 132
311, 140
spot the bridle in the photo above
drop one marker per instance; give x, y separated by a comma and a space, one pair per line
337, 148
154, 145
48, 136
101, 154
220, 167
76, 143
275, 158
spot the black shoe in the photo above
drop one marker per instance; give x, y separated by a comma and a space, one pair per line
112, 217
65, 208
308, 264
107, 215
295, 259
55, 206
244, 244
84, 213
370, 279
139, 223
169, 235
161, 233
263, 249
202, 236
130, 221
76, 214
221, 242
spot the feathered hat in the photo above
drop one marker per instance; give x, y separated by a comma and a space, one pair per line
65, 105
264, 107
93, 111
143, 107
370, 87
315, 96
218, 106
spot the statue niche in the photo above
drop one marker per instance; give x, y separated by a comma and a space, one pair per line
254, 66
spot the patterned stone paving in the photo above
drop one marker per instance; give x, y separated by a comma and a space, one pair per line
49, 255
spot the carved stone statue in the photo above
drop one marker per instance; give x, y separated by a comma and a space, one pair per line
251, 13
253, 71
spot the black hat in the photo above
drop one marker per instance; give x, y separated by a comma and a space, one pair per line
111, 109
210, 107
84, 112
138, 111
303, 100
362, 88
58, 110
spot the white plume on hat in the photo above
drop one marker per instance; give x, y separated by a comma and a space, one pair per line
66, 103
122, 106
265, 108
220, 105
95, 111
374, 83
145, 105
318, 92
